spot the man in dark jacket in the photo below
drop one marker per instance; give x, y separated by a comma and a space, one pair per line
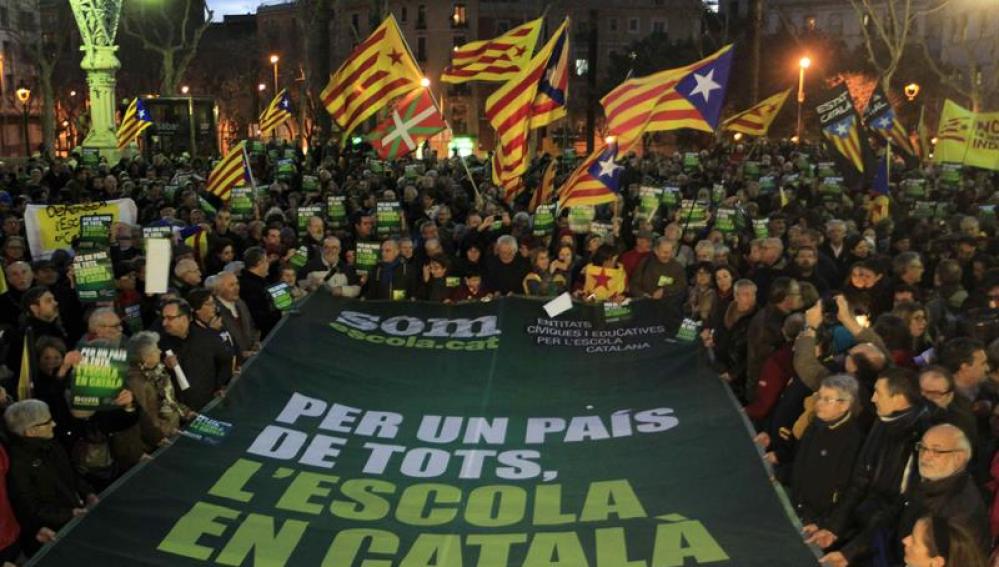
882, 472
253, 290
765, 335
41, 319
204, 359
506, 269
660, 275
392, 278
730, 337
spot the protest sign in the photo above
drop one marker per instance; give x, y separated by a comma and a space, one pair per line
627, 451
760, 228
725, 219
388, 219
95, 232
285, 169
98, 378
53, 227
693, 214
207, 430
281, 296
157, 232
544, 220
94, 277
241, 203
306, 213
299, 258
671, 196
336, 211
580, 218
751, 169
158, 256
691, 160
649, 199
367, 255
310, 183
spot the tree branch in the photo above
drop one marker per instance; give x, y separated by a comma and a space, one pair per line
946, 78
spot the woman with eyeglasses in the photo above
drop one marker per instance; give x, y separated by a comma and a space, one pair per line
45, 490
938, 542
826, 453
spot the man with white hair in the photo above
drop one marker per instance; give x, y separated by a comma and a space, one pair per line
236, 317
20, 278
506, 269
104, 325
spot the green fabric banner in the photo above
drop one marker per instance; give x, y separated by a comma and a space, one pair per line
428, 435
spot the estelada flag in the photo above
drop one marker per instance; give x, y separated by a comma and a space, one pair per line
844, 135
496, 59
604, 283
685, 97
379, 69
512, 184
595, 181
413, 118
534, 98
756, 121
133, 122
543, 194
230, 171
881, 118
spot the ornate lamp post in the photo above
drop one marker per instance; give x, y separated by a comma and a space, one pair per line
98, 23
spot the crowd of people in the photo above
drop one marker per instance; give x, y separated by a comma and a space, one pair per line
863, 342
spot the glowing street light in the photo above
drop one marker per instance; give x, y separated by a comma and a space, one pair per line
803, 63
23, 94
261, 87
912, 91
274, 61
425, 82
185, 89
737, 136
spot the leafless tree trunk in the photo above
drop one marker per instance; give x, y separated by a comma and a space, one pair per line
176, 43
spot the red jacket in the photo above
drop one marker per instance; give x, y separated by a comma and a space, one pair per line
777, 370
630, 260
9, 528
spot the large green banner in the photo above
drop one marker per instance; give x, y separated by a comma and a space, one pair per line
401, 434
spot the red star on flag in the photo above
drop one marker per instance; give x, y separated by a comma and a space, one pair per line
601, 279
396, 57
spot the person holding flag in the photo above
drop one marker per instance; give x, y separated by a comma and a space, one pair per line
230, 171
756, 121
412, 120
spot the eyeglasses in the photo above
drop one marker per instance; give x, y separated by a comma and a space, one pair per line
828, 400
934, 393
111, 325
935, 451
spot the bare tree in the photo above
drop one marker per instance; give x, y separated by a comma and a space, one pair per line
971, 82
314, 20
45, 50
174, 42
887, 27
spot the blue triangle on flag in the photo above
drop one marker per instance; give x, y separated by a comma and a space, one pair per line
704, 87
880, 182
605, 170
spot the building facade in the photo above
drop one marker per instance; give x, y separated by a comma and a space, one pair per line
19, 28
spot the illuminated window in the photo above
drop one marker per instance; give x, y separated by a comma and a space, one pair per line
459, 18
582, 67
810, 23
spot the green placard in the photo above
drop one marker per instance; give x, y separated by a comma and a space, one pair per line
827, 169
257, 147
300, 257
544, 221
281, 296
95, 232
767, 183
388, 219
133, 318
691, 160
725, 219
671, 196
366, 256
285, 169
601, 228
718, 193
207, 430
241, 202
760, 228
94, 277
336, 211
831, 186
751, 169
290, 153
649, 199
915, 188
688, 331
90, 157
306, 213
694, 214
616, 312
580, 218
987, 213
950, 174
98, 378
310, 183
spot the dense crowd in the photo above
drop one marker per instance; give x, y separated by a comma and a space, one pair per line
861, 341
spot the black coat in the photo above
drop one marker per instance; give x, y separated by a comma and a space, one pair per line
875, 487
506, 278
954, 498
44, 488
822, 467
253, 291
403, 280
206, 362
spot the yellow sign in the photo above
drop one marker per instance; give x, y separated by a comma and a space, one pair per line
51, 227
967, 137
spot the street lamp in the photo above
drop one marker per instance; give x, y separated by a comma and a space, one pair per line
424, 82
803, 63
912, 91
274, 62
24, 96
261, 87
185, 89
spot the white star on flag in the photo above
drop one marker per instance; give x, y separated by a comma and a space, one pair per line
841, 129
608, 167
883, 123
705, 84
142, 114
